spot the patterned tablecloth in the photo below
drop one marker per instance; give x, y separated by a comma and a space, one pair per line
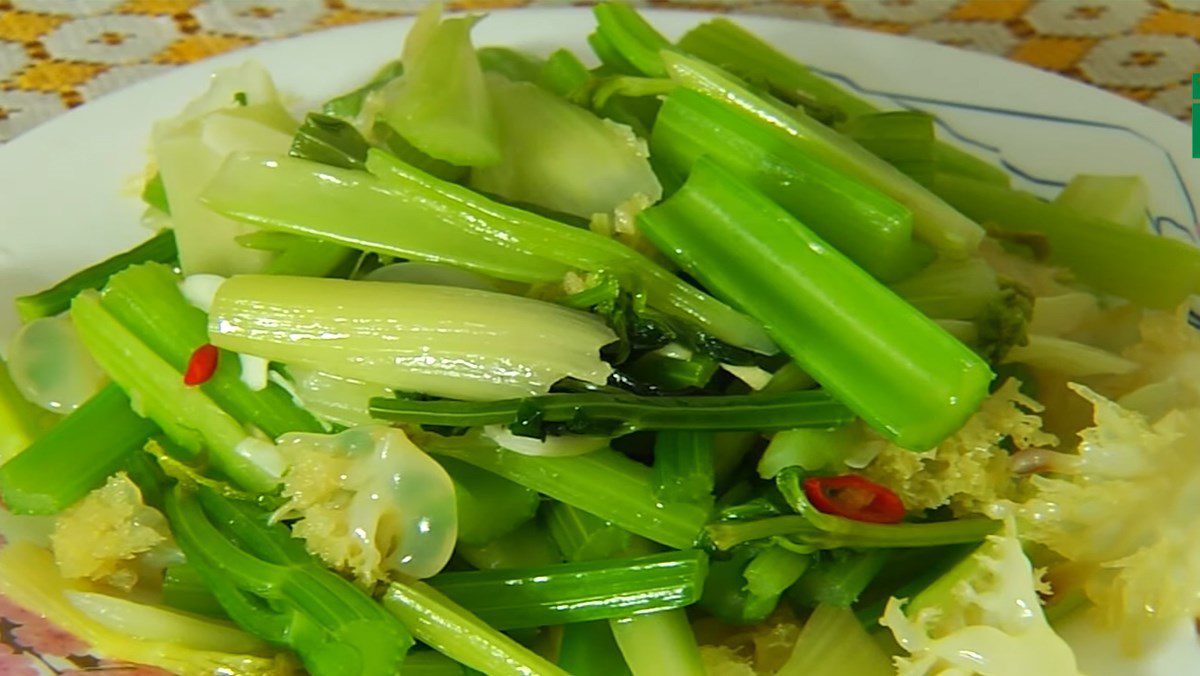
57, 54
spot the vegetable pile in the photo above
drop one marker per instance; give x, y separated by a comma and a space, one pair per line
687, 363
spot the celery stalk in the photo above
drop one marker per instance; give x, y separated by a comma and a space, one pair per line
57, 299
683, 466
1151, 271
93, 441
833, 643
631, 36
187, 415
904, 375
146, 299
934, 221
528, 546
658, 643
21, 422
440, 105
847, 533
839, 578
488, 506
603, 483
453, 631
589, 648
869, 227
1123, 200
184, 588
582, 536
442, 340
564, 74
577, 592
446, 223
513, 64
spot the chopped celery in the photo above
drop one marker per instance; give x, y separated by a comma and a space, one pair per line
1123, 200
440, 340
21, 422
526, 547
559, 156
146, 299
658, 643
904, 138
934, 221
951, 289
349, 105
488, 506
638, 43
728, 45
57, 299
387, 138
330, 140
1152, 271
623, 413
564, 74
577, 592
453, 631
834, 643
582, 536
846, 533
589, 648
772, 571
274, 589
908, 378
312, 258
184, 588
93, 441
871, 228
813, 450
187, 415
513, 64
450, 224
611, 60
683, 466
432, 663
604, 483
441, 105
839, 577
189, 149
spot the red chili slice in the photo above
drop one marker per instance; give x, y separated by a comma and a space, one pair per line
202, 365
854, 497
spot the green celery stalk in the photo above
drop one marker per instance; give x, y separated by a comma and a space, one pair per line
146, 299
488, 506
683, 466
577, 592
564, 74
604, 483
441, 105
330, 140
312, 258
350, 104
814, 450
57, 299
446, 223
611, 59
671, 374
1123, 200
184, 588
745, 588
934, 221
92, 442
560, 156
1151, 271
847, 533
447, 627
658, 643
868, 226
624, 413
21, 422
432, 663
728, 45
385, 137
772, 571
839, 578
582, 536
589, 648
187, 415
904, 138
951, 289
904, 375
638, 43
834, 643
513, 64
528, 546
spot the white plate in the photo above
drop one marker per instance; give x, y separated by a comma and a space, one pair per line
68, 189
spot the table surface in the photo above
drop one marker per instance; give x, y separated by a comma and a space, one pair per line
58, 54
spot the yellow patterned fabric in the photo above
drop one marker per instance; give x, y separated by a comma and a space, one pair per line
57, 54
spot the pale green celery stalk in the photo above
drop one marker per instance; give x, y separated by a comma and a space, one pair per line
441, 105
1152, 271
450, 629
726, 44
839, 577
903, 138
905, 376
446, 223
488, 506
186, 414
559, 156
529, 546
813, 450
311, 258
683, 466
834, 643
869, 227
582, 536
934, 221
20, 421
846, 533
658, 643
446, 341
564, 74
638, 43
604, 483
951, 289
146, 299
768, 575
513, 64
1123, 200
589, 648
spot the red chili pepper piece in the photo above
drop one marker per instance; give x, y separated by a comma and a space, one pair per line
854, 497
202, 365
